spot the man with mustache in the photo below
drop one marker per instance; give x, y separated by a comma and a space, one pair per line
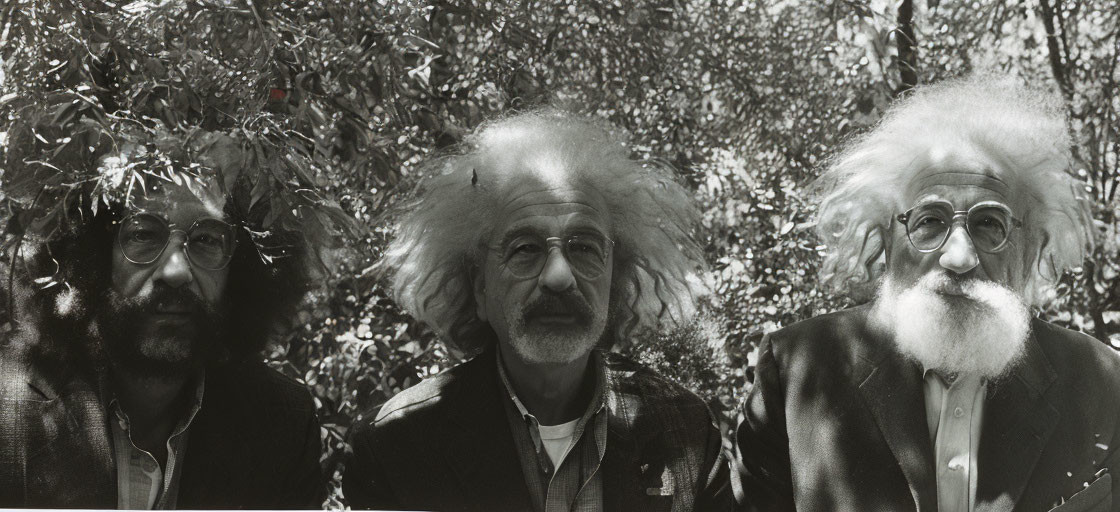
535, 248
944, 393
134, 379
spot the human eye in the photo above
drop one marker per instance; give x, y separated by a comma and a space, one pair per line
585, 245
522, 247
208, 239
141, 235
928, 220
210, 234
992, 221
142, 230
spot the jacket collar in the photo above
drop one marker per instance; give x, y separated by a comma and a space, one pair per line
481, 448
67, 456
1019, 419
485, 460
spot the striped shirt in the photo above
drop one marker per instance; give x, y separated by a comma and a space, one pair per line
577, 485
141, 483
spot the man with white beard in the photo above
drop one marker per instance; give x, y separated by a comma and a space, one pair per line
944, 393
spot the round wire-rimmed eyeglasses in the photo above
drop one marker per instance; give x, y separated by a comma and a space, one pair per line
988, 223
587, 254
208, 243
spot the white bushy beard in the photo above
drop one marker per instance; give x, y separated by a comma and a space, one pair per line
983, 333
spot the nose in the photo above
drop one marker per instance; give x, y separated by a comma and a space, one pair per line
557, 274
958, 254
174, 267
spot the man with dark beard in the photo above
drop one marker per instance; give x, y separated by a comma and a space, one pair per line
134, 381
944, 393
539, 245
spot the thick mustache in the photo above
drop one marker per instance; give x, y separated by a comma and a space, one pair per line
558, 305
172, 300
952, 284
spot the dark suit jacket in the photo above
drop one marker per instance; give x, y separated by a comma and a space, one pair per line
253, 444
445, 444
836, 421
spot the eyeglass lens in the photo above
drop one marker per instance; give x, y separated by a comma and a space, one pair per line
525, 256
928, 226
210, 242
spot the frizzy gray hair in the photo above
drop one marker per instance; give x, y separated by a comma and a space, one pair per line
441, 235
1022, 128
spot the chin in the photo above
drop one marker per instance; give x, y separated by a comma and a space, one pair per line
172, 351
158, 356
553, 347
983, 331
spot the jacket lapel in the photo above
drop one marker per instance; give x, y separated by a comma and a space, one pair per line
482, 453
1018, 421
216, 452
892, 389
73, 466
635, 470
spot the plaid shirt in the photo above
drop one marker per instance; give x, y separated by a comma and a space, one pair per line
577, 485
141, 483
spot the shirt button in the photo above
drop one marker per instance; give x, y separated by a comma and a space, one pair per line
958, 412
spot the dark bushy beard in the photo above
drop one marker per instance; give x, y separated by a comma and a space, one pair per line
984, 335
119, 320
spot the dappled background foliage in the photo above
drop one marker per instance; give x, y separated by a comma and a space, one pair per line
746, 98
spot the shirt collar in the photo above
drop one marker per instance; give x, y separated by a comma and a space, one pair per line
946, 379
598, 396
199, 383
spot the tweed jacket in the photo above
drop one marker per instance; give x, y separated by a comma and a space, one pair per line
836, 421
445, 444
253, 444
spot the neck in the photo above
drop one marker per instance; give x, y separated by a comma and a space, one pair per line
553, 393
153, 404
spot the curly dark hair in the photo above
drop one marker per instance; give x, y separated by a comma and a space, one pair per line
59, 281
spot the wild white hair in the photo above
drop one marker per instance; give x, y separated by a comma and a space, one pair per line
439, 246
1021, 128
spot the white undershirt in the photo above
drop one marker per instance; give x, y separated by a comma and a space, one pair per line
557, 440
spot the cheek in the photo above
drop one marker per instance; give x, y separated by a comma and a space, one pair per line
212, 283
499, 295
903, 263
599, 293
126, 277
1006, 269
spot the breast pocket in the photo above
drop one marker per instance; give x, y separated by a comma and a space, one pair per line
1095, 498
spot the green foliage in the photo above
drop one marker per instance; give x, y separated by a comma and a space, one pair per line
747, 98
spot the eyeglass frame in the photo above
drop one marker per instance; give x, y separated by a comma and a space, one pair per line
904, 218
170, 232
562, 242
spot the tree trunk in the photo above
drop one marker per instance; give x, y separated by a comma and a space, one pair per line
907, 55
1053, 46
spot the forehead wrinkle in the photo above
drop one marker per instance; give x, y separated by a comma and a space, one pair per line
554, 203
571, 223
519, 188
985, 180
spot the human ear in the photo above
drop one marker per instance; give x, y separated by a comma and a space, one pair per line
873, 253
478, 286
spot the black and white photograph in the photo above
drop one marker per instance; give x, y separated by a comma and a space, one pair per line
560, 255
